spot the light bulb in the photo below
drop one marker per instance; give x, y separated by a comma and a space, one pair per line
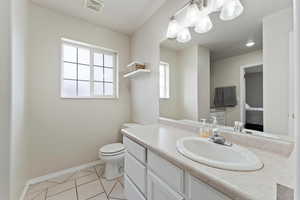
250, 43
173, 28
184, 35
231, 10
203, 25
192, 15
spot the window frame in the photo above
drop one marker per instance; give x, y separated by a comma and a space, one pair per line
168, 90
93, 49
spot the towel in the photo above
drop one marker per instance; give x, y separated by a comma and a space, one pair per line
225, 97
219, 98
229, 96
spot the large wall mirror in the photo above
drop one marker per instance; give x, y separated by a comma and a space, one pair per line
240, 70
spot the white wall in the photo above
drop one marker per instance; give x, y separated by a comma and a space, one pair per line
68, 132
188, 66
203, 82
5, 97
276, 30
226, 72
170, 107
145, 45
19, 161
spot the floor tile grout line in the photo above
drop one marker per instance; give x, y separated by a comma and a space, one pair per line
115, 184
87, 182
95, 195
76, 189
99, 177
60, 192
46, 194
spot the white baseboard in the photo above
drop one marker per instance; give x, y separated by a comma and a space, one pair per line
24, 191
63, 172
57, 174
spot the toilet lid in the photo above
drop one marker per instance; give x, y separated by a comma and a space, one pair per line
112, 148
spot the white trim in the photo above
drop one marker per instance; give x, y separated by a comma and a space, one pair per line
24, 191
242, 89
93, 49
63, 172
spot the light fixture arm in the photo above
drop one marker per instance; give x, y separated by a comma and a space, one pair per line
200, 3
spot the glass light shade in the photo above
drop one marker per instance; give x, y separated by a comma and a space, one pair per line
173, 29
184, 35
217, 4
231, 9
203, 25
192, 15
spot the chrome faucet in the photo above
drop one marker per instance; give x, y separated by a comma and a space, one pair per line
218, 139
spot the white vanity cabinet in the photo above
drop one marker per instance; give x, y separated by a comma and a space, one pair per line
148, 176
159, 190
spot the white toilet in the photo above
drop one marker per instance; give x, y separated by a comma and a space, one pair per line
113, 156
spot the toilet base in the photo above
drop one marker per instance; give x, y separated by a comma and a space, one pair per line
113, 171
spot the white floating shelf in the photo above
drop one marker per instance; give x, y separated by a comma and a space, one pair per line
135, 63
136, 73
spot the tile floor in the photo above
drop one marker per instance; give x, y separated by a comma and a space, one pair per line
87, 184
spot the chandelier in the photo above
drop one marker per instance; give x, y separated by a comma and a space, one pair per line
197, 17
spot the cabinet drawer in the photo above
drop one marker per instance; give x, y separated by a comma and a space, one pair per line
135, 149
168, 172
136, 171
158, 190
199, 189
131, 192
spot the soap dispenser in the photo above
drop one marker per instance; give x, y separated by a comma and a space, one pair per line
204, 130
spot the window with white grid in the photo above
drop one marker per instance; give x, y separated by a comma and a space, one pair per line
88, 71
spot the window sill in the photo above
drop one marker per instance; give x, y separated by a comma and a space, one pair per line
85, 98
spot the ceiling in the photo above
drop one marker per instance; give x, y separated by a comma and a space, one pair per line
228, 39
119, 15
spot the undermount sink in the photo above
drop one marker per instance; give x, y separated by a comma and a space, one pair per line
233, 157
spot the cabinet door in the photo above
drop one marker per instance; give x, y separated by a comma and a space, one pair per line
158, 190
201, 191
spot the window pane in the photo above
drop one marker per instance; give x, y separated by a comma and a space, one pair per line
83, 88
70, 71
108, 89
83, 72
98, 73
98, 89
98, 59
108, 74
69, 88
84, 56
69, 53
108, 60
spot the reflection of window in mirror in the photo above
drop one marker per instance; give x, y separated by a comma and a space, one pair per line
164, 80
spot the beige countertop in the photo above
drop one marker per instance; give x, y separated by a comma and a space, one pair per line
256, 185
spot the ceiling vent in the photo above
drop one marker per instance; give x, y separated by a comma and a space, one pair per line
95, 5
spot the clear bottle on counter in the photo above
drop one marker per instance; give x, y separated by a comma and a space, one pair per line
204, 130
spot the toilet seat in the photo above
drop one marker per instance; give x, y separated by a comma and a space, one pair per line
112, 149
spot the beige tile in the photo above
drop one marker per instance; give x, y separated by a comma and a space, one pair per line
63, 178
86, 179
99, 169
36, 196
60, 188
99, 197
39, 187
89, 190
117, 192
67, 195
108, 185
121, 180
